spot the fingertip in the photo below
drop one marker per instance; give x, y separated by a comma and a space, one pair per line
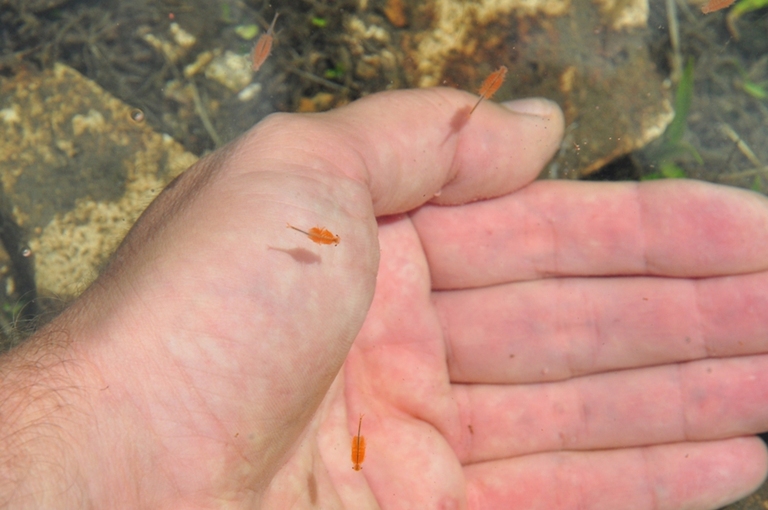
537, 106
541, 113
741, 470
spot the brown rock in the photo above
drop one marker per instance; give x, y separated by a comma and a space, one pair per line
77, 167
590, 57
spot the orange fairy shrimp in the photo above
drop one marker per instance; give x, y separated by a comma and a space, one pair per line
263, 46
319, 235
716, 5
491, 85
358, 447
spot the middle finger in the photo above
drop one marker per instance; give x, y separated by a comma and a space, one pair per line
555, 329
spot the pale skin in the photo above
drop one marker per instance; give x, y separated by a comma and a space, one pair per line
223, 361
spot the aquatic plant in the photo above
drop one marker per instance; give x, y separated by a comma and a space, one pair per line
672, 146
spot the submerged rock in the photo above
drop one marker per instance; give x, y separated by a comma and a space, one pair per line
78, 167
590, 57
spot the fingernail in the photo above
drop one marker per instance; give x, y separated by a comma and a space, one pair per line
537, 106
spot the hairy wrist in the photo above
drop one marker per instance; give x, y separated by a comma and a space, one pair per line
45, 419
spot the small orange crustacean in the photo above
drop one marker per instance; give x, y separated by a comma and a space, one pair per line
319, 235
263, 46
358, 447
716, 5
491, 85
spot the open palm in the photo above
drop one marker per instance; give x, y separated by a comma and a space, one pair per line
511, 344
553, 349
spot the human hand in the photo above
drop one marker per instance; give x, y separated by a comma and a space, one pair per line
569, 345
210, 348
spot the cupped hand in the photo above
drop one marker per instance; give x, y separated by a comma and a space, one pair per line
512, 344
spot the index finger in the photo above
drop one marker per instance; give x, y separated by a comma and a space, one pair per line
556, 228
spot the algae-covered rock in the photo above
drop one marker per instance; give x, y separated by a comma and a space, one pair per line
77, 167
